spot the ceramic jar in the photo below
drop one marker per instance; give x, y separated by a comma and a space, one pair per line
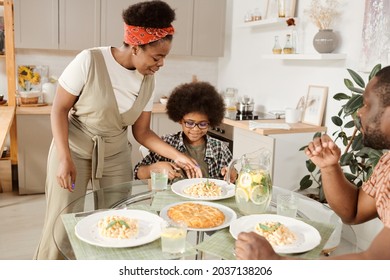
325, 41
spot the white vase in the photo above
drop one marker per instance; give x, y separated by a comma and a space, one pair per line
49, 90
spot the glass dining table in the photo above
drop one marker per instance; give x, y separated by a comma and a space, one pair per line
218, 244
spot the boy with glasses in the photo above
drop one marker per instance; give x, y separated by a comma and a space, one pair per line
196, 106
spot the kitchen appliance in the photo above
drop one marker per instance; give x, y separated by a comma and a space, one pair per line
224, 133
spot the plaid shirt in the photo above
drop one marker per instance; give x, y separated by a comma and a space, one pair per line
217, 154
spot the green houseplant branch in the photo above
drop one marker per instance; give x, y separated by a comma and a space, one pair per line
357, 160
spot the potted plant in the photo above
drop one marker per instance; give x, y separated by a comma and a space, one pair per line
357, 161
323, 13
29, 83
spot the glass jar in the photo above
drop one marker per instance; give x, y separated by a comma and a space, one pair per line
277, 49
288, 47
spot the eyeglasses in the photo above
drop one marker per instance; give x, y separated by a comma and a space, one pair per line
192, 124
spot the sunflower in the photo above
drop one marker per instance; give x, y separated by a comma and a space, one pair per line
27, 77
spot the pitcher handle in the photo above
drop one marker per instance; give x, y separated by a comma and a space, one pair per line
229, 170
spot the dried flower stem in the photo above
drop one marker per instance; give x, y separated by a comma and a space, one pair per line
323, 13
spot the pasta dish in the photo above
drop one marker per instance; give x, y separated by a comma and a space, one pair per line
118, 227
276, 233
206, 188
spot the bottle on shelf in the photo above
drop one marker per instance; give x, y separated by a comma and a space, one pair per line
277, 49
288, 48
281, 8
294, 35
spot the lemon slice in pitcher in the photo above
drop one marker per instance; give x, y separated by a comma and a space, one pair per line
245, 180
259, 195
242, 195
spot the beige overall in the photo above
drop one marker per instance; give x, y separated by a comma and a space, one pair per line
99, 147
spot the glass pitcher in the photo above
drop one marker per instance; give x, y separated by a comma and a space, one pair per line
254, 184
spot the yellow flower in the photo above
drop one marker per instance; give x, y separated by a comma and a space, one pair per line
27, 77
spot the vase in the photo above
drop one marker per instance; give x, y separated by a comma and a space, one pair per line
325, 41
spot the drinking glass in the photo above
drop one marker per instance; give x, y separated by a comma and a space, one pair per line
287, 205
159, 179
173, 239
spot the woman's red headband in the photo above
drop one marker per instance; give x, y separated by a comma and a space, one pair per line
136, 35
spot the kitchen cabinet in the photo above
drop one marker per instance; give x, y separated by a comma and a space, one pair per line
34, 139
36, 24
57, 24
77, 25
200, 27
112, 22
287, 162
246, 141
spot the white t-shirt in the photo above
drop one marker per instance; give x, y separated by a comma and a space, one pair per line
126, 83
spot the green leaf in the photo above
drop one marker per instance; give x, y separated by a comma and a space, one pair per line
353, 104
357, 90
348, 83
350, 124
310, 165
356, 77
350, 177
337, 121
317, 134
374, 70
357, 143
305, 183
346, 158
341, 96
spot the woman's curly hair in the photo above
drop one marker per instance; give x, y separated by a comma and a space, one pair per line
196, 97
155, 14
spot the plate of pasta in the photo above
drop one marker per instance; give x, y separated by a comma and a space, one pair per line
286, 235
119, 228
203, 189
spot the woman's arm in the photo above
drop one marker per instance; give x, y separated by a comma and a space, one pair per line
63, 102
145, 136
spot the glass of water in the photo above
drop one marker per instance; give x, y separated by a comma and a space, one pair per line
173, 239
287, 205
159, 179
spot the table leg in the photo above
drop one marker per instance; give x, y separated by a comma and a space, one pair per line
199, 239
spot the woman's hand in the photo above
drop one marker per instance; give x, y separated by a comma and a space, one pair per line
323, 152
66, 174
252, 246
189, 165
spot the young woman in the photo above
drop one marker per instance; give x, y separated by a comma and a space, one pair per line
102, 92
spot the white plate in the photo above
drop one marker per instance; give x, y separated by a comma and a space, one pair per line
230, 215
307, 236
226, 190
149, 229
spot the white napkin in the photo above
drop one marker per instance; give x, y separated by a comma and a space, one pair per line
253, 125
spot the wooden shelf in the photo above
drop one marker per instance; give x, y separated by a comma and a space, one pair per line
265, 23
313, 56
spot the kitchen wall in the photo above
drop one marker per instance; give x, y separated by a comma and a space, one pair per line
176, 70
277, 84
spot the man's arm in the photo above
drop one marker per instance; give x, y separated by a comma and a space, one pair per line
352, 204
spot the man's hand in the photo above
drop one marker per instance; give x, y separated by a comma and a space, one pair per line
323, 152
251, 246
